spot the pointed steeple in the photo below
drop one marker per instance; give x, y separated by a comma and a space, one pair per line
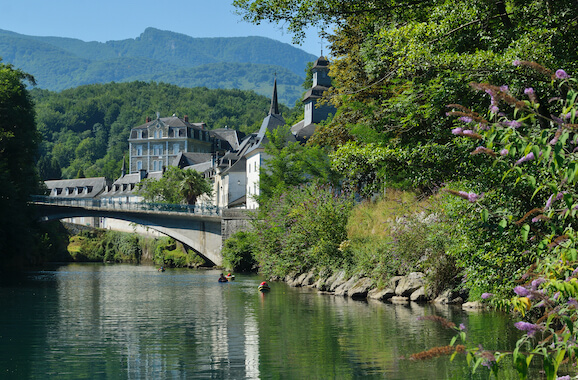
274, 110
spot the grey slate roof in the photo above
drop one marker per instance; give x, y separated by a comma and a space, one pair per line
232, 136
185, 159
303, 132
77, 188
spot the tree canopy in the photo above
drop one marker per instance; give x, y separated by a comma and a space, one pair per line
397, 64
175, 186
18, 146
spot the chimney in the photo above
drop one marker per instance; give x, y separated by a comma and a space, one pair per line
186, 118
148, 119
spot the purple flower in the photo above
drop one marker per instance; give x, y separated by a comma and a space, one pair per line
556, 296
494, 109
561, 74
530, 328
521, 291
549, 202
516, 62
466, 119
528, 157
537, 282
485, 296
504, 88
504, 152
565, 377
473, 197
457, 131
573, 302
514, 124
462, 327
530, 92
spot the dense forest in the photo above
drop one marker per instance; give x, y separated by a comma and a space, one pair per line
244, 63
85, 130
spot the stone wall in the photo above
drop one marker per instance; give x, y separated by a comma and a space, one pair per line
234, 220
399, 289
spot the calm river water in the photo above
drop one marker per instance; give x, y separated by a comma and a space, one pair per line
132, 322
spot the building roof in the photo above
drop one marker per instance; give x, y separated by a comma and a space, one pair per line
77, 188
314, 93
201, 167
169, 122
303, 132
321, 62
184, 159
232, 136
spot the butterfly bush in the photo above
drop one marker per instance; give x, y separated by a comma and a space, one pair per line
537, 149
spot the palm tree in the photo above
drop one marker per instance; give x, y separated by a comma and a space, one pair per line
192, 185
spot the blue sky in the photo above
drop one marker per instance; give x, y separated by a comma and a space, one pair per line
105, 20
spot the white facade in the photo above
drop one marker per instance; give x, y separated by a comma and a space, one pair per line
254, 162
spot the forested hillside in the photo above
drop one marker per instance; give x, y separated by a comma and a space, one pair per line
85, 129
247, 63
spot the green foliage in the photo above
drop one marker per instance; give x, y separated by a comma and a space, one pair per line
400, 234
109, 246
169, 253
239, 251
529, 216
302, 229
291, 164
18, 148
175, 186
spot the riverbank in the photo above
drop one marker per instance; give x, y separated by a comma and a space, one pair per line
399, 289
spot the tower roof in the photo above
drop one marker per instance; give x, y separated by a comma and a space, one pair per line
274, 110
321, 62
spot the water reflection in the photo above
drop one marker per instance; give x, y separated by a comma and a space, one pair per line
132, 322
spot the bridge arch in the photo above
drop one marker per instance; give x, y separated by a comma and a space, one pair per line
202, 233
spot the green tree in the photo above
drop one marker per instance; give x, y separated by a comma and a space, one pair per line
175, 186
290, 164
398, 64
18, 146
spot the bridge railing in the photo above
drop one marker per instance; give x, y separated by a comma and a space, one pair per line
112, 204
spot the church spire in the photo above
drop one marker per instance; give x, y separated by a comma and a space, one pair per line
274, 110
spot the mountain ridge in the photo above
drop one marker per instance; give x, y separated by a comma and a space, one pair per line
59, 63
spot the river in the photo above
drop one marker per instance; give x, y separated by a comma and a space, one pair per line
92, 321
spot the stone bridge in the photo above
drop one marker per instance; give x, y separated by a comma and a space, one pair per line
200, 229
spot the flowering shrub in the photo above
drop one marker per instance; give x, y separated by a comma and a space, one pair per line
534, 144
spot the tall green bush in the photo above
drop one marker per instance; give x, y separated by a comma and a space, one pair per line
239, 252
302, 229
